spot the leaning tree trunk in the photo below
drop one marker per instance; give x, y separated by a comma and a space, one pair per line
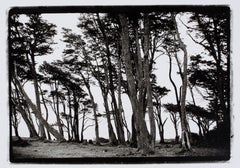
95, 116
30, 125
112, 136
184, 124
46, 109
57, 110
37, 95
38, 113
198, 118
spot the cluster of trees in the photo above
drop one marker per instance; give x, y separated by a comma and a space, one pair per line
117, 52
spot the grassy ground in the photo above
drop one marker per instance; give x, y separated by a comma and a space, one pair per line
55, 150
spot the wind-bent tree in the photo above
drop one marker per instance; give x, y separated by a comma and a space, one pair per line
31, 39
211, 31
38, 35
174, 117
78, 62
100, 30
201, 117
158, 94
73, 86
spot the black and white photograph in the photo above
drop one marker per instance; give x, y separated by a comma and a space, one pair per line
120, 84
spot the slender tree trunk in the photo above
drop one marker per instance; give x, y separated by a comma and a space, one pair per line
70, 114
14, 120
105, 90
120, 106
95, 116
57, 110
173, 83
46, 109
75, 118
37, 95
173, 118
185, 134
67, 118
112, 136
160, 123
198, 118
148, 82
32, 130
29, 123
83, 125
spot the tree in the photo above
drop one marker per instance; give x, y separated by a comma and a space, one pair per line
78, 63
136, 88
184, 124
158, 94
99, 30
201, 117
38, 34
31, 39
37, 112
174, 116
85, 110
213, 32
55, 71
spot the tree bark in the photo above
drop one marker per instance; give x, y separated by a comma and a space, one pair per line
112, 136
148, 82
184, 124
75, 118
135, 98
83, 125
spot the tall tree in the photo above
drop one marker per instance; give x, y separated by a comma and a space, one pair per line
184, 124
38, 35
146, 47
117, 110
100, 30
136, 89
34, 38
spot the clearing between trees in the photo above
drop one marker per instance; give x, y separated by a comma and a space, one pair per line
36, 150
